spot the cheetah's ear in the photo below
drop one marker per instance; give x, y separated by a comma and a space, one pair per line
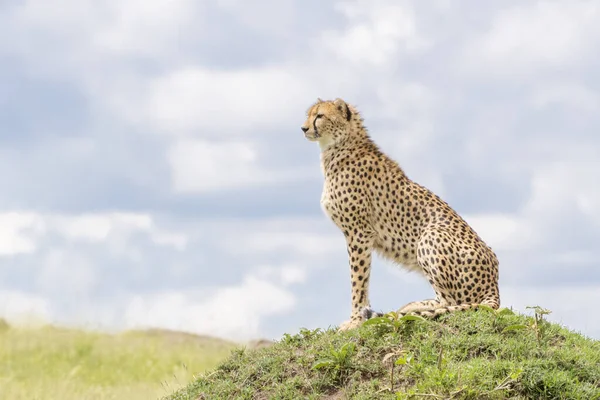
343, 107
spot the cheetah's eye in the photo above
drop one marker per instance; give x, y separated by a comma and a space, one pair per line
319, 116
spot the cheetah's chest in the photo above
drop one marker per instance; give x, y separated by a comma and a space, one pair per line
329, 206
326, 205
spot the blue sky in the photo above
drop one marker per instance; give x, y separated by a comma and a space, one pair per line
154, 172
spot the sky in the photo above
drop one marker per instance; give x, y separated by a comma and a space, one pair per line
154, 173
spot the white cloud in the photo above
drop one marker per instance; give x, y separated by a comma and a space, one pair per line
405, 113
200, 166
116, 228
565, 189
21, 232
503, 232
535, 35
288, 274
214, 103
70, 34
258, 15
100, 226
67, 256
146, 27
291, 274
403, 102
94, 228
378, 31
15, 232
66, 272
560, 193
310, 237
567, 95
233, 312
95, 45
175, 240
78, 256
132, 63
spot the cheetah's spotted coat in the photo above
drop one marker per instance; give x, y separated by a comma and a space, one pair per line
377, 207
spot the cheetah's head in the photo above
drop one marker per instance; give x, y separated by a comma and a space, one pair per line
328, 121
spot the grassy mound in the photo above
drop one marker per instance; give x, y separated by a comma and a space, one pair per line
483, 354
68, 364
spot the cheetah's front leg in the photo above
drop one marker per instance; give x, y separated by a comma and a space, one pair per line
360, 247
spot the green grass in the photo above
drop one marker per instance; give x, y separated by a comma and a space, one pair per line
481, 354
51, 363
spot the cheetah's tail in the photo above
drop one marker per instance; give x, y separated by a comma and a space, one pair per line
368, 313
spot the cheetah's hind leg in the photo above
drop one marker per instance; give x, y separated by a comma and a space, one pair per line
445, 309
425, 308
430, 304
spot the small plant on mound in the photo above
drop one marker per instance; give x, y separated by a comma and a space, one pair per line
482, 354
338, 362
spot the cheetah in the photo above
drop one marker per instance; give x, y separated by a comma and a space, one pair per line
379, 209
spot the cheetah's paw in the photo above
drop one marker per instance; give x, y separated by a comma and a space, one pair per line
350, 324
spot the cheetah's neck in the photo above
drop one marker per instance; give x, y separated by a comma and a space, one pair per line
325, 144
336, 150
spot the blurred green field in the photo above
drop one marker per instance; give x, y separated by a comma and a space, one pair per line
54, 363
